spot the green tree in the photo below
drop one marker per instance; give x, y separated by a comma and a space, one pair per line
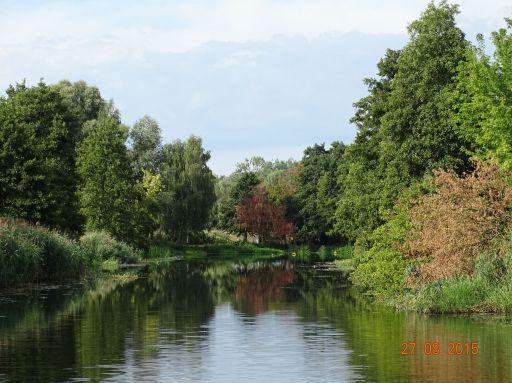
84, 101
188, 193
37, 157
146, 146
417, 135
484, 114
107, 192
317, 192
359, 178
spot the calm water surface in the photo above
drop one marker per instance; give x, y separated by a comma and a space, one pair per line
234, 322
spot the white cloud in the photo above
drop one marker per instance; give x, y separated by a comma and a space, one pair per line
93, 32
154, 57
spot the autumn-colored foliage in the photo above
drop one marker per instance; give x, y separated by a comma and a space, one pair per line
258, 215
456, 223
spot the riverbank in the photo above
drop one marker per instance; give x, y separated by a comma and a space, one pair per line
488, 289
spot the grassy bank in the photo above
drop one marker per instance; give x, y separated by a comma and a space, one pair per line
487, 289
30, 253
217, 251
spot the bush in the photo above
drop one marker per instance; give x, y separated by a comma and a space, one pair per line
456, 223
102, 246
380, 269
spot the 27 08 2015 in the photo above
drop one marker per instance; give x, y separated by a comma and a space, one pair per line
435, 348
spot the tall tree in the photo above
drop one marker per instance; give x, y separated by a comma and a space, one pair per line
416, 132
107, 193
37, 157
359, 178
188, 191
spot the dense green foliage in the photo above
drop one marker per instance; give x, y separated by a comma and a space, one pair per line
37, 157
188, 193
424, 183
459, 219
30, 253
318, 192
484, 100
107, 194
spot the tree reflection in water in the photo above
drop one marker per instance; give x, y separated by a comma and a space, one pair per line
263, 285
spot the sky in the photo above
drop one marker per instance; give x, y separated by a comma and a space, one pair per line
251, 77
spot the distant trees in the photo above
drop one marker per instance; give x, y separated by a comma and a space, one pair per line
317, 192
275, 176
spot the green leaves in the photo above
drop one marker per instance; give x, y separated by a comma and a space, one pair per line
37, 157
484, 98
107, 191
187, 189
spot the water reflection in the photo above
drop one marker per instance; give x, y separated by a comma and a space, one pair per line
233, 322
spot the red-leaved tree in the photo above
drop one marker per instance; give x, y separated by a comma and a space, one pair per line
258, 215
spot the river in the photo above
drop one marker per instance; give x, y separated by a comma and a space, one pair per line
225, 321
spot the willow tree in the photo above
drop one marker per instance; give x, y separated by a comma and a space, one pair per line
188, 194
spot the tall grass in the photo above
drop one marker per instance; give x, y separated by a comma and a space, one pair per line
31, 253
487, 289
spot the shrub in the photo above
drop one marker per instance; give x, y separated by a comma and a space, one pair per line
456, 223
380, 269
301, 253
102, 246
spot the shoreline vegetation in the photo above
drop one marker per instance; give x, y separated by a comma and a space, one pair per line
424, 193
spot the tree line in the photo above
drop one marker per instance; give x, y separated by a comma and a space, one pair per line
424, 191
68, 162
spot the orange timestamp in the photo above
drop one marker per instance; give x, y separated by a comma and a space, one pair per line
434, 348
